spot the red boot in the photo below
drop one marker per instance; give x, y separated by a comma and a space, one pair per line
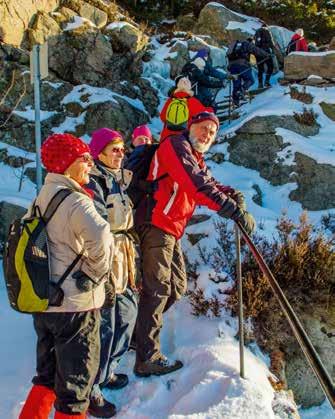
39, 403
60, 415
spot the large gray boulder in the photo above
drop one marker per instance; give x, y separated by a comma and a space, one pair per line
224, 25
319, 323
92, 13
118, 115
81, 57
42, 28
301, 65
125, 36
15, 17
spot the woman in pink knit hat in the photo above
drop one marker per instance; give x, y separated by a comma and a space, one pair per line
141, 135
110, 181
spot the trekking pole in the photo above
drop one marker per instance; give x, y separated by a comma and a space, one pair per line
240, 299
229, 103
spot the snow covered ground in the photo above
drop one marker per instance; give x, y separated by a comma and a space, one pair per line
209, 385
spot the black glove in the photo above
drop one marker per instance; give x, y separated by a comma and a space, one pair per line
246, 219
84, 282
228, 208
232, 77
238, 197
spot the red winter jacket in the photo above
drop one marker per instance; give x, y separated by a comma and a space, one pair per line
300, 43
194, 107
188, 183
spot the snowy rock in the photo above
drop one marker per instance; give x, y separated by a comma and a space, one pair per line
42, 28
320, 326
224, 25
125, 36
95, 15
256, 145
8, 213
301, 65
316, 186
284, 406
118, 115
18, 14
178, 60
63, 14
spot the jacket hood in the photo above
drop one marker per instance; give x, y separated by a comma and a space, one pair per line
295, 37
181, 95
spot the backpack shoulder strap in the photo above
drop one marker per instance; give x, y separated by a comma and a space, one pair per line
55, 202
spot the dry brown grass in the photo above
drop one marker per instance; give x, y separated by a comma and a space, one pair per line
306, 117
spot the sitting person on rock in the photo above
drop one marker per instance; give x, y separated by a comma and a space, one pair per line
297, 42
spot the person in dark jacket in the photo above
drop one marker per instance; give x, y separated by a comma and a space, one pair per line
204, 77
264, 40
161, 219
239, 64
109, 182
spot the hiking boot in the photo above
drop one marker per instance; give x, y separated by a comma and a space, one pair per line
101, 408
159, 366
117, 381
260, 85
267, 84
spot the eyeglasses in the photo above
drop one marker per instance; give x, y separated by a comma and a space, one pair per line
118, 150
87, 158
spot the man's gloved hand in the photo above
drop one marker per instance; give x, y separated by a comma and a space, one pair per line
83, 282
232, 76
238, 197
246, 219
231, 210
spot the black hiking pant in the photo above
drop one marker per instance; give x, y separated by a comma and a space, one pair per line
68, 352
265, 66
164, 282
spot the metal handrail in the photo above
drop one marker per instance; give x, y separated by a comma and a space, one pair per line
299, 332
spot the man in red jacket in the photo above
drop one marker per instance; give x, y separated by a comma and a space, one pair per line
298, 42
183, 181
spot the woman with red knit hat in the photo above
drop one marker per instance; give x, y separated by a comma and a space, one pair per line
68, 342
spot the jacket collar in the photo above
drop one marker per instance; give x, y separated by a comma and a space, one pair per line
62, 180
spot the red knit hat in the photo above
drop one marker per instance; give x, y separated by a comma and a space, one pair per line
59, 151
204, 116
141, 130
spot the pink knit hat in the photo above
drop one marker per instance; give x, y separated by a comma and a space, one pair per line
141, 130
101, 138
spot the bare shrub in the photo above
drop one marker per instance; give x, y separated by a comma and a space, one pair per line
307, 117
303, 96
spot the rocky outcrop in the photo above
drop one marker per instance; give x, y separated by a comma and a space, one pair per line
125, 36
8, 213
43, 27
114, 114
15, 17
316, 184
299, 66
222, 24
81, 57
320, 326
256, 146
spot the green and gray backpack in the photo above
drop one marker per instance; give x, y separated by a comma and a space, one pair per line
26, 261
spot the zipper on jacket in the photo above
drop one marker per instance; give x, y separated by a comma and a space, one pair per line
172, 198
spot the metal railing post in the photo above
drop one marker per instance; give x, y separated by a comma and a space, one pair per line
240, 299
230, 103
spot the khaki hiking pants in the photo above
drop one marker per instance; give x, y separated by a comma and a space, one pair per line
164, 282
